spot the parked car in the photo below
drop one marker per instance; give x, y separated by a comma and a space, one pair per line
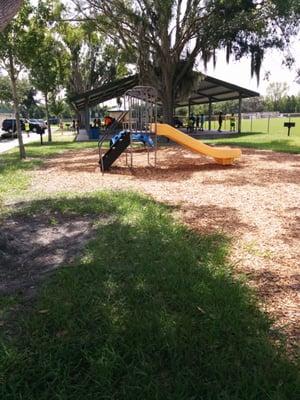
33, 123
53, 121
10, 125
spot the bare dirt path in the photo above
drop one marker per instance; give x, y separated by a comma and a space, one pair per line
256, 201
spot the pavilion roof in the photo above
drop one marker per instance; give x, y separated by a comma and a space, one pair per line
208, 89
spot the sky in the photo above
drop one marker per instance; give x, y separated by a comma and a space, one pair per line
238, 72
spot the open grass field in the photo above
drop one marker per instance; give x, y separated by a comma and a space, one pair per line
173, 283
273, 126
258, 137
264, 141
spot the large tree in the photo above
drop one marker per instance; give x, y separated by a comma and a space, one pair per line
47, 67
13, 49
93, 60
276, 91
168, 36
47, 61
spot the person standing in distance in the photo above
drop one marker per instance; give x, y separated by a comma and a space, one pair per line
220, 121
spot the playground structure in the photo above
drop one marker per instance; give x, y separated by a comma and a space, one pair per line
142, 127
141, 102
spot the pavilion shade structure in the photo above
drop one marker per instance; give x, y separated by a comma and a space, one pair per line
209, 90
8, 9
105, 92
214, 90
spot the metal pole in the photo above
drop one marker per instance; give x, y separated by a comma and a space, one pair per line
240, 115
131, 155
251, 119
209, 115
268, 129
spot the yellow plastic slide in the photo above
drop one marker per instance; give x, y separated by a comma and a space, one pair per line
221, 155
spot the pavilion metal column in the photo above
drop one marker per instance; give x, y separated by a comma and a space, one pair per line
240, 115
189, 109
87, 116
209, 114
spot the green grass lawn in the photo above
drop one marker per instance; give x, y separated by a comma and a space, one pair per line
14, 177
276, 139
149, 311
275, 126
262, 125
263, 141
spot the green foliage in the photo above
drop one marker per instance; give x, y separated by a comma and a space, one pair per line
47, 63
169, 36
59, 107
93, 60
29, 107
5, 90
14, 39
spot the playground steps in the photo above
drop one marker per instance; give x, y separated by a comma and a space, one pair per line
114, 152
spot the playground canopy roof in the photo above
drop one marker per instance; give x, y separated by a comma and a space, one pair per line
207, 90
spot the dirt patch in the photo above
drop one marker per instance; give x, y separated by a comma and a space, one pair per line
33, 247
256, 201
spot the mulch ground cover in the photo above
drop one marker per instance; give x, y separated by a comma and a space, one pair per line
255, 201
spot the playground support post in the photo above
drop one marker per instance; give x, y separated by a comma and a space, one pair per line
142, 102
87, 117
268, 129
251, 122
240, 115
209, 114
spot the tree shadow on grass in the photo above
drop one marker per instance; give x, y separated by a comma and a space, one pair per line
150, 311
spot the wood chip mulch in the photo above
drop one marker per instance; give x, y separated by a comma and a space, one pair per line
256, 201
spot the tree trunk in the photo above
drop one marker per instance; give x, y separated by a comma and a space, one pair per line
87, 118
168, 102
13, 81
84, 118
48, 119
167, 86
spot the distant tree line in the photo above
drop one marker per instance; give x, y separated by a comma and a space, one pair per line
31, 105
276, 100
